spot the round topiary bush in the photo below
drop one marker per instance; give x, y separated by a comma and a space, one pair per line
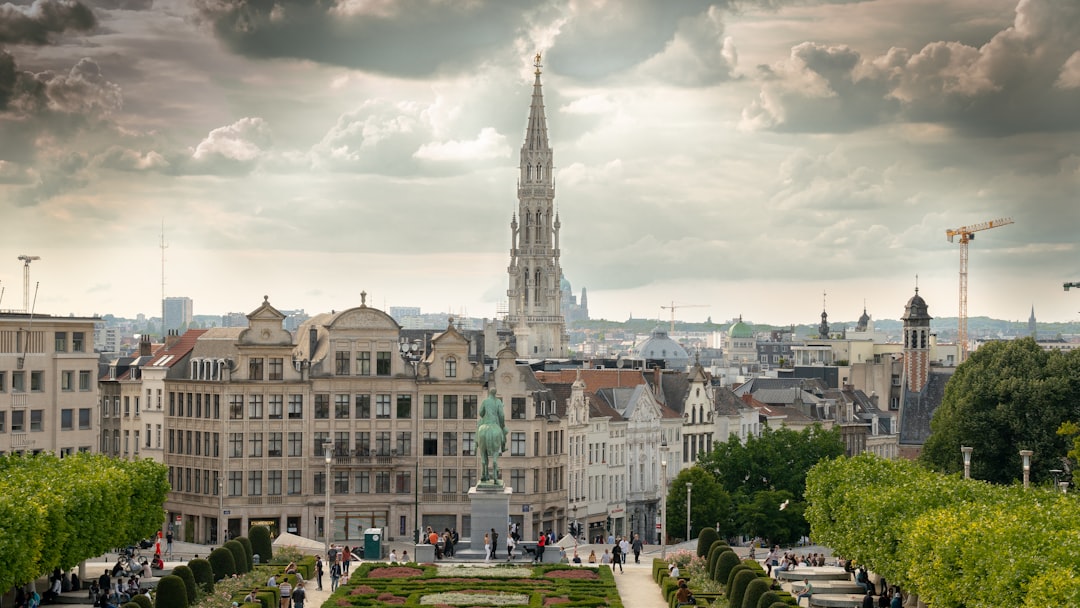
705, 540
724, 564
239, 556
248, 552
221, 560
718, 547
185, 573
130, 605
768, 599
260, 543
204, 574
143, 601
757, 588
171, 593
731, 578
742, 580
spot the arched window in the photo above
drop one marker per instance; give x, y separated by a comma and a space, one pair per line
539, 171
450, 367
539, 223
536, 290
528, 172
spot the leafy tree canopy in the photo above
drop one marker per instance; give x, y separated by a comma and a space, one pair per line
709, 504
1008, 396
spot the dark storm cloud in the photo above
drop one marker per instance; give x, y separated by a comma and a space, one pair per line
40, 21
1019, 81
82, 92
122, 5
62, 174
411, 38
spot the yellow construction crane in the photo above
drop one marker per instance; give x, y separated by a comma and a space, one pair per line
966, 234
675, 306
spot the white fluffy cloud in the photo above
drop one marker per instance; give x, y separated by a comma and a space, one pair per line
487, 145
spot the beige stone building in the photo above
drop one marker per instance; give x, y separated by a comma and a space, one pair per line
48, 384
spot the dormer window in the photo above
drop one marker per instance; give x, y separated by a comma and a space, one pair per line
450, 367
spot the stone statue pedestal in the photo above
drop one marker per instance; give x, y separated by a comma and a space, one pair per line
490, 507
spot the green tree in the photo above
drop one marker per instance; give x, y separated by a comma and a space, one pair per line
1006, 397
771, 464
709, 504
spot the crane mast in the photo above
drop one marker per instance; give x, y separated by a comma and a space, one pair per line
26, 259
674, 306
966, 234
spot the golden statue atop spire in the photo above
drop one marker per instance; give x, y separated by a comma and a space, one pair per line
537, 64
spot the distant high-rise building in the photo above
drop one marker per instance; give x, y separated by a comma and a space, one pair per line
177, 313
534, 283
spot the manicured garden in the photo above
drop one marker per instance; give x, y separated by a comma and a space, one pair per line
376, 584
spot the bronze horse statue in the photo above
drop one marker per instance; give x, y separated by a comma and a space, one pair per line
491, 437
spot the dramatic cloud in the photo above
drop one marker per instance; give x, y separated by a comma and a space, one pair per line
698, 55
40, 21
1018, 81
233, 149
488, 144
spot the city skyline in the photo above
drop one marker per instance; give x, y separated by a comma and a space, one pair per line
744, 157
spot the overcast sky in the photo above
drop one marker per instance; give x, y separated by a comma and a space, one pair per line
742, 156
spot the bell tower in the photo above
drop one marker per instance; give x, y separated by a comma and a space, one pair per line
535, 310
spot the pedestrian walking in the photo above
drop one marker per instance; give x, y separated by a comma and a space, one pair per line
616, 557
335, 575
319, 571
637, 549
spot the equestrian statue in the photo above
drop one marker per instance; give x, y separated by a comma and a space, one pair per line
491, 438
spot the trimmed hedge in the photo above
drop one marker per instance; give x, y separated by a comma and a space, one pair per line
222, 562
143, 601
239, 556
171, 593
185, 573
724, 565
204, 574
742, 580
757, 588
248, 553
718, 548
731, 577
705, 541
259, 536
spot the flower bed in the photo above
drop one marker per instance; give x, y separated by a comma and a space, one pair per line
544, 585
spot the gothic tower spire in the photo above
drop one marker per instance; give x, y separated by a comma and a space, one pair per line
534, 271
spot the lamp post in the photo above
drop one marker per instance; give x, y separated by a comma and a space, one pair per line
689, 495
328, 452
1025, 455
966, 451
663, 501
416, 504
576, 528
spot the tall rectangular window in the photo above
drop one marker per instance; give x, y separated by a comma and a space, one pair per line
318, 445
363, 407
382, 363
517, 480
78, 342
255, 407
341, 482
403, 483
67, 380
236, 406
236, 483
431, 443
273, 445
468, 444
273, 483
341, 407
517, 408
255, 479
277, 407
404, 407
449, 481
255, 368
382, 482
517, 444
255, 445
362, 483
468, 479
84, 419
84, 383
61, 341
468, 407
36, 418
430, 481
322, 406
363, 364
236, 445
431, 407
36, 384
449, 403
18, 421
296, 443
382, 406
404, 443
341, 363
382, 443
341, 442
276, 368
67, 421
296, 482
18, 382
449, 439
296, 407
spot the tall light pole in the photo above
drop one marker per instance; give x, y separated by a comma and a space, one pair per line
689, 491
965, 450
663, 500
1025, 455
328, 452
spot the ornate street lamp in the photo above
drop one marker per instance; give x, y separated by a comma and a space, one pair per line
1026, 456
689, 490
328, 453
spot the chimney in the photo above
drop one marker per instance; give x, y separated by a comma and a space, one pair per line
144, 345
172, 338
313, 341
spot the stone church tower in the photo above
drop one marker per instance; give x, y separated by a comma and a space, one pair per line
535, 313
916, 343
